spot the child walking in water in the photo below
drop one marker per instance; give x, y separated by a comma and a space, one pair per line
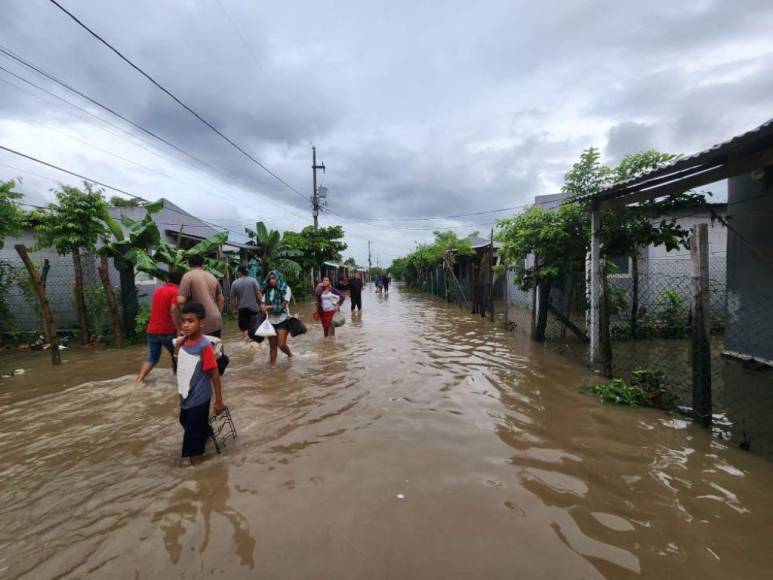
329, 302
197, 377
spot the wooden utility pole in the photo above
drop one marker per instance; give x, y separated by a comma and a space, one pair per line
701, 325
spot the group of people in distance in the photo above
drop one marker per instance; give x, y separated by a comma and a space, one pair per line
186, 319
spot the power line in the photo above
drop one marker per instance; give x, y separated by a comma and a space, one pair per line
241, 37
93, 101
176, 99
447, 217
40, 71
67, 171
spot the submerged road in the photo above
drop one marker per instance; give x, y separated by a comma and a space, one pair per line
420, 443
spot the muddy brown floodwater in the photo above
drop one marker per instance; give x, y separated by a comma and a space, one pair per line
421, 443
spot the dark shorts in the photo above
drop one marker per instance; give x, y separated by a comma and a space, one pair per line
245, 316
155, 343
285, 326
195, 421
356, 301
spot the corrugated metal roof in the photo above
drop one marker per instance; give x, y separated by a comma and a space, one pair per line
682, 167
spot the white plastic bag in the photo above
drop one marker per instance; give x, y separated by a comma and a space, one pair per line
265, 329
338, 319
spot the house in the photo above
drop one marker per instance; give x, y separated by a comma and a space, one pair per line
178, 227
474, 277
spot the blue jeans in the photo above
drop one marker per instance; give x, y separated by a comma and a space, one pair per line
155, 343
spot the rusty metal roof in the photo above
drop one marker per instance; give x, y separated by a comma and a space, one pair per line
691, 166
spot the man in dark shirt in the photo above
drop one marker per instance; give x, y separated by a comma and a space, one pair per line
355, 291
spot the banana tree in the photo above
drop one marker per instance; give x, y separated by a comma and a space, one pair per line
130, 252
273, 253
176, 259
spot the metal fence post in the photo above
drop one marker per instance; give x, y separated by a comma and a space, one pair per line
701, 328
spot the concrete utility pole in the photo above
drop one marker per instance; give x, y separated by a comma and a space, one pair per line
315, 191
370, 262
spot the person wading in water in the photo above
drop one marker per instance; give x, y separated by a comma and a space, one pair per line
329, 302
203, 288
276, 297
355, 291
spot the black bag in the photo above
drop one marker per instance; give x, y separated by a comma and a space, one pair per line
255, 321
296, 326
222, 363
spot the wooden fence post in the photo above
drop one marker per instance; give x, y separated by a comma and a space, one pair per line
701, 327
45, 307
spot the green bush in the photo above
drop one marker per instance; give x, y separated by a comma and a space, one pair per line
647, 388
142, 318
97, 310
671, 315
619, 392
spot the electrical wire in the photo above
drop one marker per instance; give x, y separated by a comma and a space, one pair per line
74, 174
38, 70
483, 212
177, 99
241, 37
93, 101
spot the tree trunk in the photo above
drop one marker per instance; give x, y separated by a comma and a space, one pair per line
129, 305
80, 299
112, 303
45, 307
634, 294
542, 312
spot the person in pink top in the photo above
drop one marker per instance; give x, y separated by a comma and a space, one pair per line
163, 324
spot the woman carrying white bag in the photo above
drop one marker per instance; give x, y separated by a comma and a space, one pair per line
276, 327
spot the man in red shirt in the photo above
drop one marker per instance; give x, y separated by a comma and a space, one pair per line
163, 325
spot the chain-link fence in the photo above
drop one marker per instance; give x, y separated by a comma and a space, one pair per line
652, 326
647, 322
20, 312
564, 328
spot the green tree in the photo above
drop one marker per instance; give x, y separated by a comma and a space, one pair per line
274, 252
314, 247
11, 220
416, 268
558, 242
627, 229
11, 215
73, 225
588, 175
130, 252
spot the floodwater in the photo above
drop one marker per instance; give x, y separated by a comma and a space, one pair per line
420, 443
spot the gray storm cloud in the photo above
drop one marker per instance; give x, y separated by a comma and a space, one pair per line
418, 110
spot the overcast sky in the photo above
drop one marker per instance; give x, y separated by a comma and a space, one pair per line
418, 109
